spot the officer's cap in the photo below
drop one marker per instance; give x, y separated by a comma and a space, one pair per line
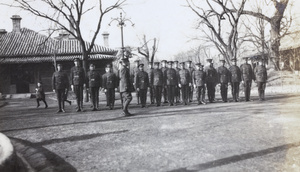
141, 65
156, 63
175, 61
209, 60
170, 62
182, 63
76, 59
164, 61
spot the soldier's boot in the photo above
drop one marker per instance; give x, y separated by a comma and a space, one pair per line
81, 106
63, 106
46, 105
38, 103
125, 109
78, 106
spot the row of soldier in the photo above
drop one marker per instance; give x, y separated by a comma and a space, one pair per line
171, 83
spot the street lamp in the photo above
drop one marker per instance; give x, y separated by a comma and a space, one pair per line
121, 22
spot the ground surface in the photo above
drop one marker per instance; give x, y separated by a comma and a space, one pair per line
242, 136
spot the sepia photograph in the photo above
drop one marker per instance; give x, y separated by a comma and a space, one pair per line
149, 85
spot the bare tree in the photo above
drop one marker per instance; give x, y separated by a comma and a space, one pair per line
279, 25
146, 52
218, 11
68, 16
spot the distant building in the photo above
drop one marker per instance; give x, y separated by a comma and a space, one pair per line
27, 57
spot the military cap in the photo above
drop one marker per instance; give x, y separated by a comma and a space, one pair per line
156, 63
76, 59
182, 63
108, 66
189, 61
59, 64
170, 62
198, 64
141, 65
209, 60
175, 61
164, 61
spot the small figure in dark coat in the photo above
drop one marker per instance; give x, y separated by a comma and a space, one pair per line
40, 95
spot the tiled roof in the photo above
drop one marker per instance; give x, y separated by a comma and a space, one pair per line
30, 46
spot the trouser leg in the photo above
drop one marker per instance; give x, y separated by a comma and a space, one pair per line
38, 102
127, 97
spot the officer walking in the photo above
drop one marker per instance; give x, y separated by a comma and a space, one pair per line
224, 79
177, 89
247, 76
109, 83
261, 78
211, 78
198, 79
94, 83
126, 86
184, 83
157, 81
235, 80
77, 83
142, 84
151, 89
60, 83
164, 90
190, 88
170, 79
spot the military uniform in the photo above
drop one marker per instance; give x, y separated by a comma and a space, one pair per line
199, 79
77, 80
135, 70
164, 89
151, 88
109, 83
235, 81
190, 88
157, 81
60, 82
142, 84
211, 79
94, 83
177, 89
224, 79
126, 87
185, 82
247, 76
170, 78
261, 77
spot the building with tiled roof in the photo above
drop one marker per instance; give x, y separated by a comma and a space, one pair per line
27, 57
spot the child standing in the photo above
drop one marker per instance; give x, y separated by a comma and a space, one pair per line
40, 95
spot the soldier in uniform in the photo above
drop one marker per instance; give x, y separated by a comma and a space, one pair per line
60, 83
177, 89
142, 84
260, 73
198, 80
118, 76
170, 79
184, 83
190, 88
151, 89
247, 76
135, 70
157, 81
164, 90
235, 80
77, 83
126, 86
211, 78
224, 79
109, 83
94, 83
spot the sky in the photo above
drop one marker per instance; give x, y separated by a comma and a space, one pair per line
170, 21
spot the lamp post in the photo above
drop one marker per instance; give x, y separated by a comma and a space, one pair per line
121, 22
